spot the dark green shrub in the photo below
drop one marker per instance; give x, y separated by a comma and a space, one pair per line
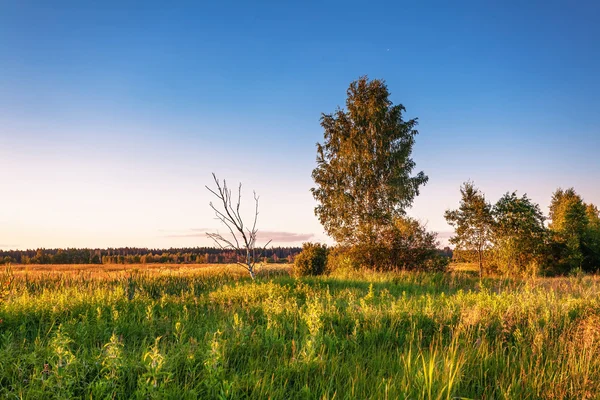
405, 244
312, 259
436, 263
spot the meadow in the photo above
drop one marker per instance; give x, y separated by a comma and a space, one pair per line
209, 332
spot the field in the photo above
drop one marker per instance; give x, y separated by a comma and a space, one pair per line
209, 332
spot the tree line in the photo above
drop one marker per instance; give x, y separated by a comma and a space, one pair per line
513, 236
134, 255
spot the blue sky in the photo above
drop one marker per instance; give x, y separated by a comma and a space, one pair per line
113, 115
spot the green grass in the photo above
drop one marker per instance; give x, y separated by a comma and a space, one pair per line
367, 335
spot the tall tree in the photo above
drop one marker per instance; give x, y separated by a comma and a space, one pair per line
591, 249
569, 223
593, 215
472, 222
568, 212
519, 233
364, 167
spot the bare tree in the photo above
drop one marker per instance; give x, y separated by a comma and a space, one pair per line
240, 239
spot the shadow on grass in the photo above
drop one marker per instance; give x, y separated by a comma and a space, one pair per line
411, 284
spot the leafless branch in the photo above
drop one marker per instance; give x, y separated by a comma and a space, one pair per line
243, 240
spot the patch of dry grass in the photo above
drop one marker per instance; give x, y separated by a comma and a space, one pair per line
110, 271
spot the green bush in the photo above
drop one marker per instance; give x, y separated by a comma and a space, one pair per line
405, 244
341, 261
437, 263
312, 259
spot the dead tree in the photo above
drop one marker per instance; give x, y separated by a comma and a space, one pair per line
240, 240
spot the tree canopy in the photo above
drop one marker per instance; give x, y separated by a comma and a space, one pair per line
472, 222
364, 167
576, 229
519, 233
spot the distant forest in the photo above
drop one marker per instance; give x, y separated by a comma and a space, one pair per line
134, 255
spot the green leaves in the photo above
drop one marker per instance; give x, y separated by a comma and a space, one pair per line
312, 260
472, 222
519, 233
576, 228
515, 234
363, 175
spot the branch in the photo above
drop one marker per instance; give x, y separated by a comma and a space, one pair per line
231, 217
260, 255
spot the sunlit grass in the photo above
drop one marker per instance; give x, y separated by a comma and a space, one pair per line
211, 333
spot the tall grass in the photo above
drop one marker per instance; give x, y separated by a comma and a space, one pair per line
368, 335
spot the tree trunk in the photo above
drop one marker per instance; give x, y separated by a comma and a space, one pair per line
480, 251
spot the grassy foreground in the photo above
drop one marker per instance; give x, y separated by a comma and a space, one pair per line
209, 334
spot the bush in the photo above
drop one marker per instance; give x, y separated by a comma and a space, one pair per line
437, 263
312, 259
341, 261
404, 244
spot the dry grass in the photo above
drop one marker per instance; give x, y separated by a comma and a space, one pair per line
464, 267
111, 271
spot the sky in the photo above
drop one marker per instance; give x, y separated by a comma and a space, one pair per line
114, 114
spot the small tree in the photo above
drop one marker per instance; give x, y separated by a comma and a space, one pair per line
312, 260
519, 232
569, 223
241, 239
411, 246
472, 222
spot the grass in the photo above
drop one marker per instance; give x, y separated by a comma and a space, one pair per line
211, 333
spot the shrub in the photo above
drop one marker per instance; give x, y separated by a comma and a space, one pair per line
437, 263
404, 244
312, 259
341, 261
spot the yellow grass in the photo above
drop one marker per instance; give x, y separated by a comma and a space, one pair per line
110, 271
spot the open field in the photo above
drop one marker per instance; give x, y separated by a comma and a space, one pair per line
108, 271
209, 333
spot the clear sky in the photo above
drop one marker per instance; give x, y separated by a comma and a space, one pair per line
114, 114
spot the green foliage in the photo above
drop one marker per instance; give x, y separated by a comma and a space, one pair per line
512, 238
341, 261
591, 250
411, 246
6, 260
576, 231
568, 213
519, 234
363, 174
568, 223
395, 335
130, 255
311, 260
472, 222
404, 244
